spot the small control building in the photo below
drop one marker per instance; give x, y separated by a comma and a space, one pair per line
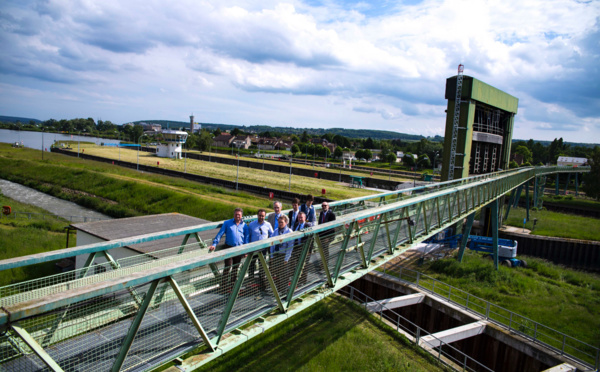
170, 145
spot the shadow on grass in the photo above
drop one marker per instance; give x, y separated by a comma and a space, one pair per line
294, 343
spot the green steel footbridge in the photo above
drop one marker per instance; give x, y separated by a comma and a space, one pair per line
143, 311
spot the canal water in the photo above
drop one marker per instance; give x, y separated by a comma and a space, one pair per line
56, 206
36, 140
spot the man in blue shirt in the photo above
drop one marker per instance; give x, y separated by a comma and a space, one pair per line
309, 210
259, 230
236, 233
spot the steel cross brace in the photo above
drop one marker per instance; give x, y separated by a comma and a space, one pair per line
233, 297
35, 347
298, 272
342, 253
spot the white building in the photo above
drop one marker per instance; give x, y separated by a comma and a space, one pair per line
570, 161
170, 145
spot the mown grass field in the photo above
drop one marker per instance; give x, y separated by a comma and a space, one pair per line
303, 185
332, 335
561, 298
556, 224
121, 192
23, 236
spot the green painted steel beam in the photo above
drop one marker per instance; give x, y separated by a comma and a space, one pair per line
298, 271
494, 213
135, 326
232, 298
190, 312
269, 277
465, 236
323, 259
35, 347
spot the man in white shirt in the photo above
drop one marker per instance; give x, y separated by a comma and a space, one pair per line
259, 230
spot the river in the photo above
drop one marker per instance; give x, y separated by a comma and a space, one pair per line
35, 140
56, 206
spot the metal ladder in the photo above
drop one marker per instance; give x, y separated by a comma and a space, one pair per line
457, 101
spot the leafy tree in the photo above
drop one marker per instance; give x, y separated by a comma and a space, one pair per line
338, 152
204, 140
137, 132
305, 137
368, 154
369, 144
424, 161
295, 149
236, 132
525, 153
408, 159
217, 132
591, 180
513, 164
295, 138
390, 158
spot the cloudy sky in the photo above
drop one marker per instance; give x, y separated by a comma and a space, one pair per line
351, 64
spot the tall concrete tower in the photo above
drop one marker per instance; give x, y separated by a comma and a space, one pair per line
485, 128
192, 123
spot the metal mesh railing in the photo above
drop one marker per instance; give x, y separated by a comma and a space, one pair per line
137, 312
560, 342
444, 352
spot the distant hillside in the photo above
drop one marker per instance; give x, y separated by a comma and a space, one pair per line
571, 144
14, 119
350, 133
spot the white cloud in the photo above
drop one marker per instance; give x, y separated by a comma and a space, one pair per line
356, 65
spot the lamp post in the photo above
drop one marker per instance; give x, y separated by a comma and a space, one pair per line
238, 167
290, 188
79, 135
433, 169
42, 141
138, 152
306, 154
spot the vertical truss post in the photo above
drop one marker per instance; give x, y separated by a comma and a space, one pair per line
465, 236
323, 259
116, 265
437, 206
87, 265
556, 185
36, 348
381, 200
395, 240
535, 191
494, 227
425, 219
340, 259
135, 326
511, 200
263, 262
201, 243
360, 246
527, 198
568, 181
374, 237
518, 196
190, 313
301, 261
233, 297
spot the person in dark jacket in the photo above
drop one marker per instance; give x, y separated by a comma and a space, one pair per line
326, 236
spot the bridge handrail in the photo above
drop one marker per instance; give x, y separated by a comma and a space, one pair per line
508, 321
104, 246
176, 267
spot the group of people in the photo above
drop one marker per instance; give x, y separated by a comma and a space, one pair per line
282, 262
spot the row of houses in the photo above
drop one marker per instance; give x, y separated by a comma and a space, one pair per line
245, 141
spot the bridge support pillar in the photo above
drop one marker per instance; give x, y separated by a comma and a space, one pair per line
576, 185
568, 181
527, 198
465, 236
556, 185
494, 228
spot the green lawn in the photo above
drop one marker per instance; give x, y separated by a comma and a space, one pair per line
332, 335
556, 224
561, 298
23, 236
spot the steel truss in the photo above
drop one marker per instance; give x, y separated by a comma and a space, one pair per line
139, 315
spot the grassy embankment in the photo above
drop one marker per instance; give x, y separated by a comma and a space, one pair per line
318, 167
23, 236
556, 224
120, 192
333, 335
303, 185
564, 299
